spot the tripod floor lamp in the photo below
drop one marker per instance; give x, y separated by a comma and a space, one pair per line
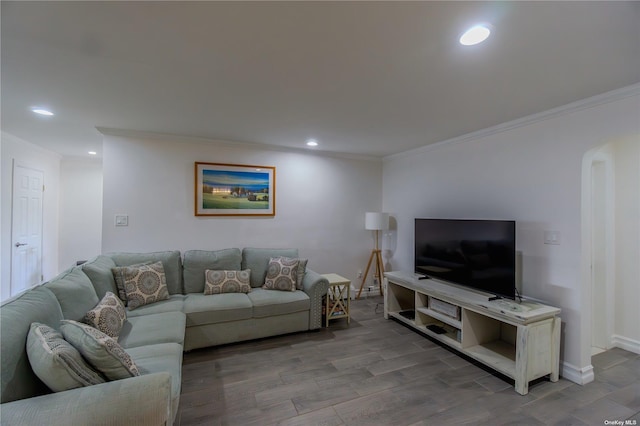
376, 222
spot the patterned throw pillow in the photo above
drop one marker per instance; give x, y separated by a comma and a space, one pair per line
282, 274
100, 350
143, 283
217, 282
302, 269
108, 316
120, 278
56, 362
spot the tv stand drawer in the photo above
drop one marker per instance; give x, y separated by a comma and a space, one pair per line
444, 308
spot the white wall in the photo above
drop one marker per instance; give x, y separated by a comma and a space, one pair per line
320, 201
33, 156
530, 171
80, 210
627, 223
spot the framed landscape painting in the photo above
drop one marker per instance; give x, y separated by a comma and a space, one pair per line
235, 190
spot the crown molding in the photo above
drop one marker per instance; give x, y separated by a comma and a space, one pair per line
583, 104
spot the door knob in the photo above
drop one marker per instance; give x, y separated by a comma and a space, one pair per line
20, 244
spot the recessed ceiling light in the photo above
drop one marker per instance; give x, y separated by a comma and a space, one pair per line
312, 142
92, 153
474, 35
41, 111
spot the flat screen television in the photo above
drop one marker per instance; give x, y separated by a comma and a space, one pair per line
475, 253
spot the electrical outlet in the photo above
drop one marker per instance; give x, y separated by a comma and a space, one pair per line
359, 273
552, 237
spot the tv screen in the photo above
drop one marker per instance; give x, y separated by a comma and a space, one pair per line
474, 253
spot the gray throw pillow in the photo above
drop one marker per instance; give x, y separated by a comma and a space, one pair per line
100, 350
56, 362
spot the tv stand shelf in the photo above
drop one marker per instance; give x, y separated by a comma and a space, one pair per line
519, 340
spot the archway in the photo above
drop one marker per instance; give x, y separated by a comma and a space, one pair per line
598, 249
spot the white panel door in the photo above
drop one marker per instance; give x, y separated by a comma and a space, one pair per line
26, 228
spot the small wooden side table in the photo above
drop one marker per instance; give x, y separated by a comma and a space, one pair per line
339, 291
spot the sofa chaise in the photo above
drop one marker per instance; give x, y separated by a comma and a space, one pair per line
154, 335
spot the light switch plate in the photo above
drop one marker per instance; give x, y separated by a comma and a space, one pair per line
122, 220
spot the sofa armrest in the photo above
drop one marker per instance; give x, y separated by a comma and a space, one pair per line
142, 400
315, 285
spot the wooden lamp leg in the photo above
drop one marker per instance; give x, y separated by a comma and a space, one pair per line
380, 270
379, 267
366, 272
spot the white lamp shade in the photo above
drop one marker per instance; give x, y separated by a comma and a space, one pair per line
376, 221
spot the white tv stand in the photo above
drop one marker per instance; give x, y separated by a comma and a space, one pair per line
519, 340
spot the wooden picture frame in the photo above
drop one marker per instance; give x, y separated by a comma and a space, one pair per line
234, 190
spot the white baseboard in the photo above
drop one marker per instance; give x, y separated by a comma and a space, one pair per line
585, 375
626, 343
581, 376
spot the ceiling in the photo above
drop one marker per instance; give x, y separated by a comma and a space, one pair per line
364, 78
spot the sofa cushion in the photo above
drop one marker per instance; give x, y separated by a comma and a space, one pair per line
268, 303
16, 315
159, 358
218, 282
167, 327
108, 316
100, 350
198, 261
74, 292
56, 362
257, 259
99, 272
202, 309
171, 262
144, 284
282, 274
175, 302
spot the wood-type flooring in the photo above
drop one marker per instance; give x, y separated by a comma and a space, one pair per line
379, 372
